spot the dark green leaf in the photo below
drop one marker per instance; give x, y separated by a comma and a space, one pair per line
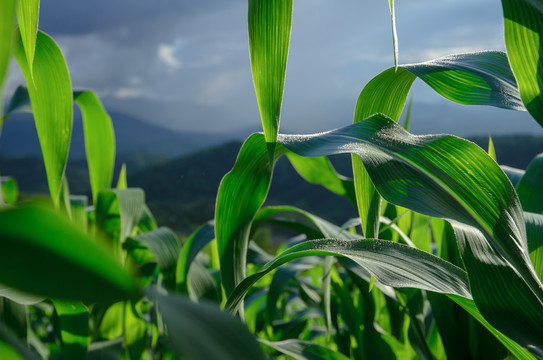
54, 258
530, 186
74, 326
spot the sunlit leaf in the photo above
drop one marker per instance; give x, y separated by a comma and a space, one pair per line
7, 19
10, 190
391, 263
50, 93
27, 16
54, 258
74, 326
523, 31
269, 37
99, 141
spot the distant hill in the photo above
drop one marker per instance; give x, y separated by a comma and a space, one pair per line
19, 138
181, 192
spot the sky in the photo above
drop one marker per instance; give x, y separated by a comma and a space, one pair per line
184, 64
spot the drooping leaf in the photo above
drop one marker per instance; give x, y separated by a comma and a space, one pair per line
18, 296
74, 328
99, 141
513, 174
269, 37
530, 186
7, 19
241, 193
50, 91
27, 16
448, 177
391, 263
192, 246
54, 258
491, 151
205, 332
523, 30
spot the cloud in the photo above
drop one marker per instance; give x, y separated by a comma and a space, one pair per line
166, 54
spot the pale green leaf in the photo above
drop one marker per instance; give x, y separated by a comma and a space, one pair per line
269, 37
10, 190
28, 12
99, 141
164, 245
50, 93
534, 231
18, 296
121, 181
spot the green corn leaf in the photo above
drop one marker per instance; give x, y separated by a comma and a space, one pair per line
192, 246
118, 212
483, 78
59, 259
74, 328
530, 186
164, 245
431, 173
303, 350
523, 30
7, 20
78, 205
99, 141
394, 34
491, 151
320, 171
10, 190
50, 91
469, 305
28, 12
391, 263
534, 232
513, 174
269, 37
136, 330
205, 331
121, 181
241, 193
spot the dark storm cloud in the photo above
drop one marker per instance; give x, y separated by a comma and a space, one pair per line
81, 17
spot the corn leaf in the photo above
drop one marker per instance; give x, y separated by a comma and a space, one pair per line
241, 193
429, 174
7, 20
10, 190
513, 174
18, 296
99, 141
523, 29
269, 37
205, 332
19, 102
164, 245
27, 16
391, 263
394, 34
303, 350
73, 317
530, 186
320, 171
534, 232
192, 246
59, 260
50, 91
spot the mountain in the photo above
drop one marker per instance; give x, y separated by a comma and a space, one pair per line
19, 137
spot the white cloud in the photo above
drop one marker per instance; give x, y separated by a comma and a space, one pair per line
166, 54
127, 93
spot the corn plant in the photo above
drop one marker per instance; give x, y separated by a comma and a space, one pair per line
444, 260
